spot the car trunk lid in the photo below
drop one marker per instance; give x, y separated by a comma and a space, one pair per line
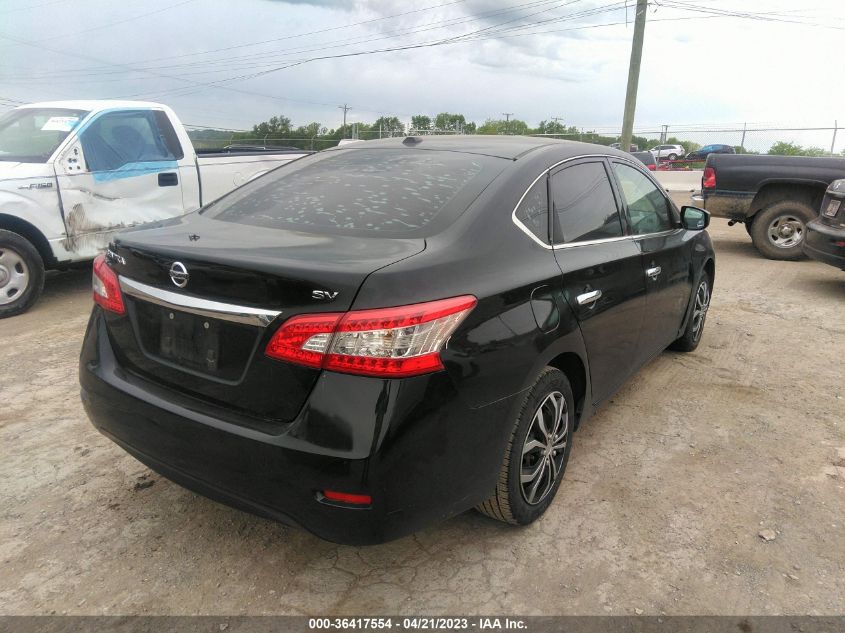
204, 297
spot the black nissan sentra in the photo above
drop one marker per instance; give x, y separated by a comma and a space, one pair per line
384, 335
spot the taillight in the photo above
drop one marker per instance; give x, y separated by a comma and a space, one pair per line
652, 167
106, 287
392, 342
347, 498
708, 181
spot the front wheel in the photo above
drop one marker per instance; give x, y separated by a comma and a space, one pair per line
537, 452
21, 274
695, 326
778, 230
673, 157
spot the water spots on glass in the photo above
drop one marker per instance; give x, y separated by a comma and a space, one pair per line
389, 191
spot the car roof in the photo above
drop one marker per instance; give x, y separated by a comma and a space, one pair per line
509, 147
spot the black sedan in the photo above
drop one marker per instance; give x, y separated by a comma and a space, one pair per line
377, 337
704, 152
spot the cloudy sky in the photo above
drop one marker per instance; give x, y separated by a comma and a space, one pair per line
233, 63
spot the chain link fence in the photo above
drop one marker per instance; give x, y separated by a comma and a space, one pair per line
799, 140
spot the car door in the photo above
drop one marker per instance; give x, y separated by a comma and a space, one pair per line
121, 170
602, 275
665, 255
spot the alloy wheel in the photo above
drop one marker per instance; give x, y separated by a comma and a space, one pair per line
14, 276
544, 448
699, 310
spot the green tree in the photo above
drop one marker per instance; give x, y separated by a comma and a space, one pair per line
448, 122
500, 126
421, 123
277, 127
553, 127
389, 126
786, 148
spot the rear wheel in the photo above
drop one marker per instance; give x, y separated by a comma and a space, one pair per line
537, 452
778, 230
695, 327
673, 157
21, 274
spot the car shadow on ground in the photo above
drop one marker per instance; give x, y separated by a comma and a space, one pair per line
834, 288
738, 247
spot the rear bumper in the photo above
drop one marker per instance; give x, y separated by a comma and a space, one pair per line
824, 243
734, 205
430, 455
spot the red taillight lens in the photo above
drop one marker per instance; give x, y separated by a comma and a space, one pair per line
652, 167
345, 497
303, 339
709, 179
106, 287
390, 342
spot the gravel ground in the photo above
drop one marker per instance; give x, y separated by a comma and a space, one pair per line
668, 490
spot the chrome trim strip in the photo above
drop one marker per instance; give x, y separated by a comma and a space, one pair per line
194, 305
546, 171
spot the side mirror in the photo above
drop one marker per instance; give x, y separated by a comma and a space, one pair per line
694, 219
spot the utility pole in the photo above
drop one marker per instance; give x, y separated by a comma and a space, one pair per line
345, 109
507, 116
634, 75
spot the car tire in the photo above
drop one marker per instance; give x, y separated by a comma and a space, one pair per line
673, 157
691, 337
21, 274
531, 450
778, 230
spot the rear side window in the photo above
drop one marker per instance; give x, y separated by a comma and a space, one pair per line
584, 206
400, 193
533, 211
119, 138
648, 208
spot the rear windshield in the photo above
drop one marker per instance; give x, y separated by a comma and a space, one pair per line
395, 192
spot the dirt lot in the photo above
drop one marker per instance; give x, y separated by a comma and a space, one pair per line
666, 492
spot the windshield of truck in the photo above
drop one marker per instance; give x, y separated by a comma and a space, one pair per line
31, 135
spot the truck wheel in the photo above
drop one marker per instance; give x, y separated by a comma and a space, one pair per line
537, 452
21, 274
778, 230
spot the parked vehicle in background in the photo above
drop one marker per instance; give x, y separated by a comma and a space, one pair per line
825, 239
633, 148
384, 335
74, 172
646, 158
774, 196
704, 152
668, 152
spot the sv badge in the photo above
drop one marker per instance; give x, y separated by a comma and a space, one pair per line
324, 295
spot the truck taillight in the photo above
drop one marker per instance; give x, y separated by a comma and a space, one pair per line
708, 181
107, 287
388, 342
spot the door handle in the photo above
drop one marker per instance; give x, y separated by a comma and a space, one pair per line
653, 272
589, 298
168, 179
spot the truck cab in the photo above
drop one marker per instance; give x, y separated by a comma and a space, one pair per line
73, 173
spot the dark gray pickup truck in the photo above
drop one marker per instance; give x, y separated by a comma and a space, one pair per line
774, 196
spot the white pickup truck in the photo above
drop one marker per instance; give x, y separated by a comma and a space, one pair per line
72, 173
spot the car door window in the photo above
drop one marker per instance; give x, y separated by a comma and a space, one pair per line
116, 139
533, 211
584, 206
648, 208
